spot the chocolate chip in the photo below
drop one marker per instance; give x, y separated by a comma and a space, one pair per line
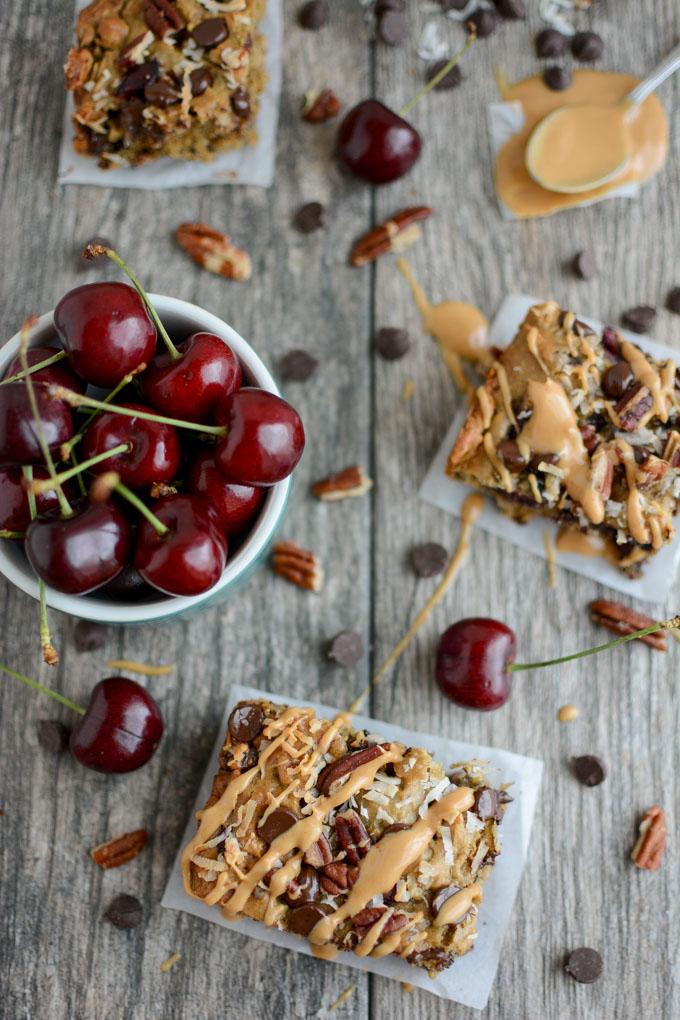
388, 5
84, 263
487, 804
428, 559
393, 27
161, 93
617, 379
450, 80
304, 888
584, 265
313, 15
53, 736
639, 319
297, 366
512, 457
550, 43
392, 343
557, 78
584, 965
138, 78
588, 769
483, 23
310, 217
276, 823
440, 896
124, 912
201, 79
246, 722
210, 32
346, 648
89, 636
240, 103
610, 340
511, 10
301, 920
673, 300
587, 46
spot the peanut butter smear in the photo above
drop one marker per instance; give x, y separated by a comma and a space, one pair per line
647, 139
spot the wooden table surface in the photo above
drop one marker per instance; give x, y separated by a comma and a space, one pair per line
57, 957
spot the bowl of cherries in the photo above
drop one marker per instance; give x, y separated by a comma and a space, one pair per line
145, 455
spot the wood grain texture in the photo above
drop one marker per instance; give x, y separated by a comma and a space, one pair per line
57, 957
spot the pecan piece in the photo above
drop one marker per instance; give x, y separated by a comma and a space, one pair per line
633, 406
622, 620
348, 763
589, 437
319, 854
112, 32
601, 472
351, 481
651, 842
337, 878
77, 68
213, 251
162, 17
353, 836
320, 105
651, 471
297, 565
394, 234
671, 451
119, 851
367, 917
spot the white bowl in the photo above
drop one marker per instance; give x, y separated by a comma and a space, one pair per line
181, 318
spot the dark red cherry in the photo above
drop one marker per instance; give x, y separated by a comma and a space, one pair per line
15, 514
235, 505
376, 144
106, 331
154, 454
18, 433
191, 387
121, 728
472, 663
190, 557
77, 554
58, 374
265, 438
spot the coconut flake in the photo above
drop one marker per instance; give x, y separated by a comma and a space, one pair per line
434, 794
432, 45
445, 833
376, 797
482, 851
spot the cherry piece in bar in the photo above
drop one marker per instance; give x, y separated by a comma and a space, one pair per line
191, 386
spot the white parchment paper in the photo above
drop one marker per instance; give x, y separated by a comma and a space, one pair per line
253, 164
470, 978
442, 491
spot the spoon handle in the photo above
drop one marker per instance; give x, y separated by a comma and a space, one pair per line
668, 66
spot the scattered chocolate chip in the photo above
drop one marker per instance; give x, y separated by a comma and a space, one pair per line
89, 636
673, 300
161, 93
511, 10
246, 722
240, 103
487, 804
428, 559
210, 32
297, 366
587, 46
512, 457
617, 379
124, 912
393, 26
483, 23
388, 5
276, 823
346, 648
639, 319
588, 769
301, 920
310, 217
550, 43
584, 965
53, 736
201, 79
84, 263
392, 343
313, 15
584, 265
557, 78
450, 80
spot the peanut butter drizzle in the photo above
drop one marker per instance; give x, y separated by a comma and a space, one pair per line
390, 857
390, 943
486, 406
327, 952
648, 139
371, 937
552, 428
635, 516
659, 385
457, 906
550, 559
278, 885
497, 464
569, 540
533, 337
506, 396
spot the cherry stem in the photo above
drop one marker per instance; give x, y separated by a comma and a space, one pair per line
49, 652
79, 479
433, 82
4, 533
43, 690
59, 356
94, 250
46, 484
67, 448
79, 400
138, 504
671, 624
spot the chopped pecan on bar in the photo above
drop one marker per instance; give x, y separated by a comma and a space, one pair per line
320, 105
394, 235
651, 842
633, 406
214, 251
119, 851
162, 17
352, 835
348, 763
297, 565
622, 619
351, 481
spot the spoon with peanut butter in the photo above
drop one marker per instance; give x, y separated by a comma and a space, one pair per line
583, 146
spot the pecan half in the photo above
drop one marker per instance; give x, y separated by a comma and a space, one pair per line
633, 406
348, 763
214, 251
367, 917
320, 105
651, 842
394, 234
319, 854
337, 878
297, 565
351, 481
77, 68
621, 619
601, 472
671, 451
112, 32
119, 851
162, 17
353, 836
